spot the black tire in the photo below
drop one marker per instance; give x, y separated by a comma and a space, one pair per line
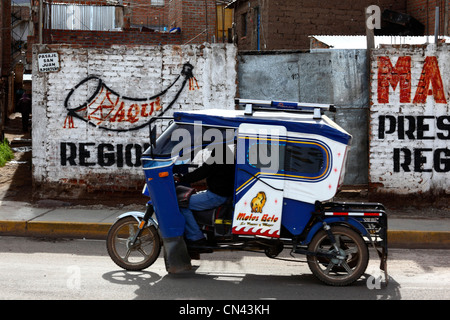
145, 251
334, 271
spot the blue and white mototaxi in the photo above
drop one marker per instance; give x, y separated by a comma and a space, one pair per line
290, 161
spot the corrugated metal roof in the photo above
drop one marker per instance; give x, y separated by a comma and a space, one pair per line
360, 42
81, 17
13, 2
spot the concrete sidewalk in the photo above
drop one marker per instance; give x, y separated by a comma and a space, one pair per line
23, 219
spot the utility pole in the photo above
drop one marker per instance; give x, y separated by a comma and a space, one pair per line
41, 15
446, 17
436, 25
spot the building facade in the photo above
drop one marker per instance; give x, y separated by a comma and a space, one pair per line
5, 60
288, 24
102, 23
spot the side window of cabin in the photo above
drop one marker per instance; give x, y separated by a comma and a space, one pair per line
264, 155
303, 159
291, 158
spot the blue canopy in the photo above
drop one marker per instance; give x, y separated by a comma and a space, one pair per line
293, 122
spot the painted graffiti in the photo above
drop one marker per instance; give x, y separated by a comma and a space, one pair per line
417, 128
390, 76
421, 160
424, 127
89, 154
421, 138
430, 76
107, 109
430, 82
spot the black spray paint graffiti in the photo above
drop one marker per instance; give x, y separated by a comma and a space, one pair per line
106, 109
417, 128
102, 154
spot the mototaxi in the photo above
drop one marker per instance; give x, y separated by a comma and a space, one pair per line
290, 161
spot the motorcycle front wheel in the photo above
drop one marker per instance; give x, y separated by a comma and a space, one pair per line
350, 260
135, 257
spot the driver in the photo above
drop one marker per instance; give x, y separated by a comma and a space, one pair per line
220, 186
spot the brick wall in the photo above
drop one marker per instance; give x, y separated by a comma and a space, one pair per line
104, 39
424, 11
100, 153
175, 14
409, 134
286, 24
143, 13
197, 19
138, 12
5, 30
5, 60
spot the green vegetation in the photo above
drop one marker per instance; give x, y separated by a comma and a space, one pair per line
6, 153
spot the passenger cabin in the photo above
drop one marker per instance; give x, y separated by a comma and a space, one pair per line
287, 156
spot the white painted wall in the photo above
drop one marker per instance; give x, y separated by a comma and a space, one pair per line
100, 161
412, 153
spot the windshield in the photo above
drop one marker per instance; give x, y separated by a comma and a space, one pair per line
186, 140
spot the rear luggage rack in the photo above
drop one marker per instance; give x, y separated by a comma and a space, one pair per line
372, 215
351, 208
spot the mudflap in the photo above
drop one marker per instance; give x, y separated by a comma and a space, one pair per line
383, 253
383, 264
176, 256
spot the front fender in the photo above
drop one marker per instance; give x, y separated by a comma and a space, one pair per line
345, 220
139, 216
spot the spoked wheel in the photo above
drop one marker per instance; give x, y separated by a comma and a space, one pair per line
135, 257
350, 259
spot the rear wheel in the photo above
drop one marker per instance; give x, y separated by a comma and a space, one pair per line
142, 254
350, 257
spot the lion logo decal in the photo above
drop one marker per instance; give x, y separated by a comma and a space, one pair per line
258, 202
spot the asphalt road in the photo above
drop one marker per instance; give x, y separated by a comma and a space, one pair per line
81, 269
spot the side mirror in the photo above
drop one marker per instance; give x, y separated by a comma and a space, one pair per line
153, 137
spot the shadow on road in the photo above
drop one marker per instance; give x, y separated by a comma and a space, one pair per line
230, 286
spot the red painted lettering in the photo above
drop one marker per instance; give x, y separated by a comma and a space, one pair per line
158, 104
430, 75
144, 110
389, 75
430, 82
104, 108
133, 113
120, 114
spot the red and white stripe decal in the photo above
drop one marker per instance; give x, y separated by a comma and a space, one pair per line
357, 214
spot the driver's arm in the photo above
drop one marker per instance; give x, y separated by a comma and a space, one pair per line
198, 174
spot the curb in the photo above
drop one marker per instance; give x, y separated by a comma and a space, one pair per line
83, 230
55, 229
419, 239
